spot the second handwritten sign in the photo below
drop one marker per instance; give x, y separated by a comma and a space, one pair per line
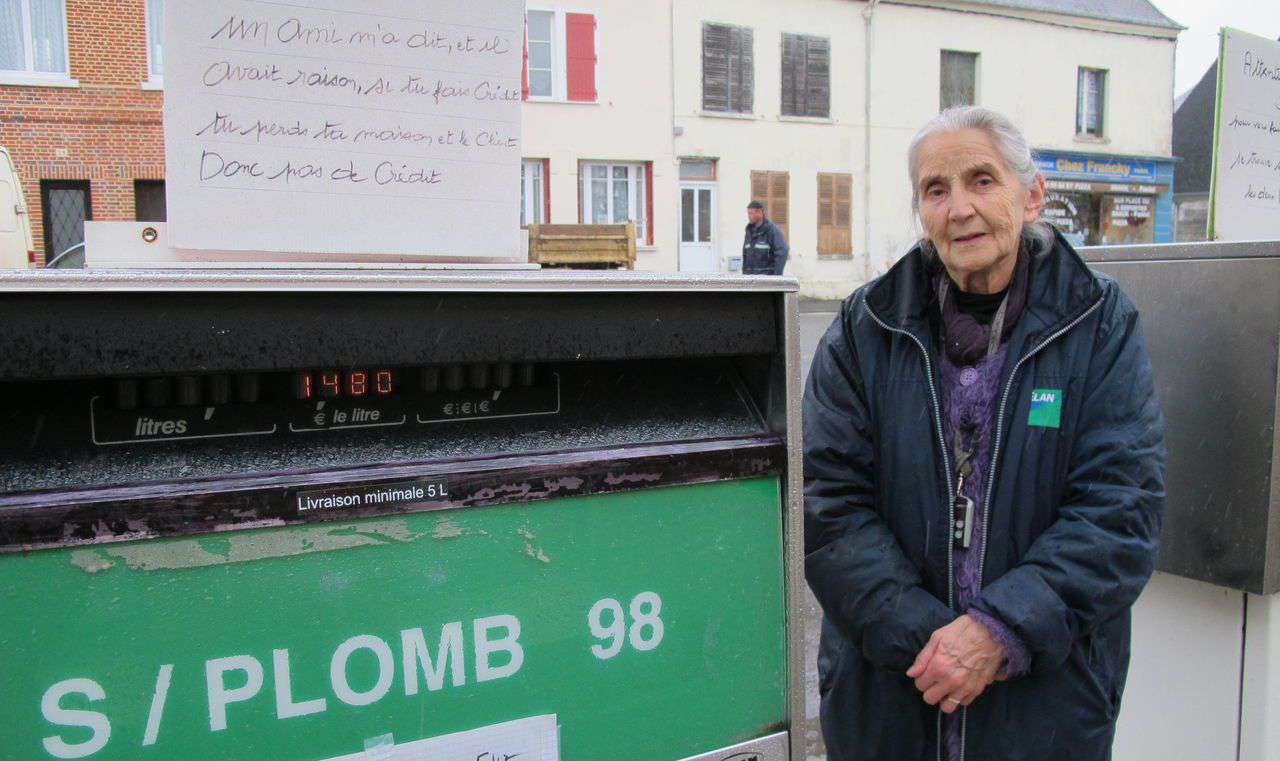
1246, 172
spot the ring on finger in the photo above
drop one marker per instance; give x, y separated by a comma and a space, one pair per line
953, 701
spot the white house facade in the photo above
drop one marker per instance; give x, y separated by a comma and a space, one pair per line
675, 114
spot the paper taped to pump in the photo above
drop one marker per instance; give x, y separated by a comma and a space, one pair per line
386, 127
533, 739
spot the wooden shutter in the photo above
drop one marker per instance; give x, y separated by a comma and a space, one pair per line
728, 73
580, 56
835, 214
760, 188
524, 67
742, 58
770, 188
826, 207
806, 76
777, 206
648, 202
793, 86
817, 77
546, 190
715, 67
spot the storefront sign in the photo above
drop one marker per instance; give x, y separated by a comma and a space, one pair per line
1098, 200
1096, 167
1105, 187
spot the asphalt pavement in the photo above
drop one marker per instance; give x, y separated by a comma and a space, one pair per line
813, 323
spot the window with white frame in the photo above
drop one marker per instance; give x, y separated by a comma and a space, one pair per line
1091, 99
560, 59
614, 193
542, 53
532, 193
155, 39
33, 36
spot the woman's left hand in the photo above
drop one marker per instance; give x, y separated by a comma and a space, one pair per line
960, 660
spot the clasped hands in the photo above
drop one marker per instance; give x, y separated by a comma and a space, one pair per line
960, 661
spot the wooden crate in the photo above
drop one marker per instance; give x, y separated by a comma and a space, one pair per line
583, 245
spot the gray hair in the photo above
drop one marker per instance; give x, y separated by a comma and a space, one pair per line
1010, 143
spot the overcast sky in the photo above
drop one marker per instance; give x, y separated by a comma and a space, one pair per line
1198, 43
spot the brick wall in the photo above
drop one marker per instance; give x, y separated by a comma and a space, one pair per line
108, 130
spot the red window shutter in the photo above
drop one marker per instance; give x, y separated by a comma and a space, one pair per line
524, 68
648, 202
546, 191
580, 55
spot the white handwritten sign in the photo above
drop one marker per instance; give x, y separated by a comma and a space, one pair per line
533, 739
320, 126
1245, 190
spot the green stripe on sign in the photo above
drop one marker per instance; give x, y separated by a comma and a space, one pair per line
651, 623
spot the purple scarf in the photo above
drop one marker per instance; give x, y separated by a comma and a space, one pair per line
966, 339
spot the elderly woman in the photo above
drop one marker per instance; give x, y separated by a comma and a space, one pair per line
983, 477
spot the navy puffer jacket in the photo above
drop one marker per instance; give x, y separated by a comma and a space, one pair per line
1073, 519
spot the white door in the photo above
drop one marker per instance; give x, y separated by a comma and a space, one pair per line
697, 227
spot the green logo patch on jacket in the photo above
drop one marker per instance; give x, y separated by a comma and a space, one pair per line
1046, 407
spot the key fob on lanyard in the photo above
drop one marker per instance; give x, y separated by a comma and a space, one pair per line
962, 530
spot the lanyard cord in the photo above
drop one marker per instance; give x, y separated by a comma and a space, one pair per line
964, 460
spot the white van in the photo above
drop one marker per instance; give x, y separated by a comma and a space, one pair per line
16, 248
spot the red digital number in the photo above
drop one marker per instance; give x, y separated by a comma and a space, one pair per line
330, 385
302, 386
383, 381
357, 383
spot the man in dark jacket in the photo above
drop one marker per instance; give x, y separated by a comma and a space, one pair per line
764, 248
984, 471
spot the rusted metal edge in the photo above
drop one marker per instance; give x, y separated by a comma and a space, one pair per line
70, 518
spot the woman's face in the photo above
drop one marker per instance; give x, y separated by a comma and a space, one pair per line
972, 207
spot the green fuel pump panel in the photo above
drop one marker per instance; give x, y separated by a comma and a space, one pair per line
567, 529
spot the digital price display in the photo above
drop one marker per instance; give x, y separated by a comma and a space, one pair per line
305, 401
340, 384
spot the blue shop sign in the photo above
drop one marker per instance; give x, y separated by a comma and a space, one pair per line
1104, 168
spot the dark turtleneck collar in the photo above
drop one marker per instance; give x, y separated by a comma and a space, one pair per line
980, 306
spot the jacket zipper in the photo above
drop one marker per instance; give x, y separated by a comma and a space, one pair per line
946, 468
995, 461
